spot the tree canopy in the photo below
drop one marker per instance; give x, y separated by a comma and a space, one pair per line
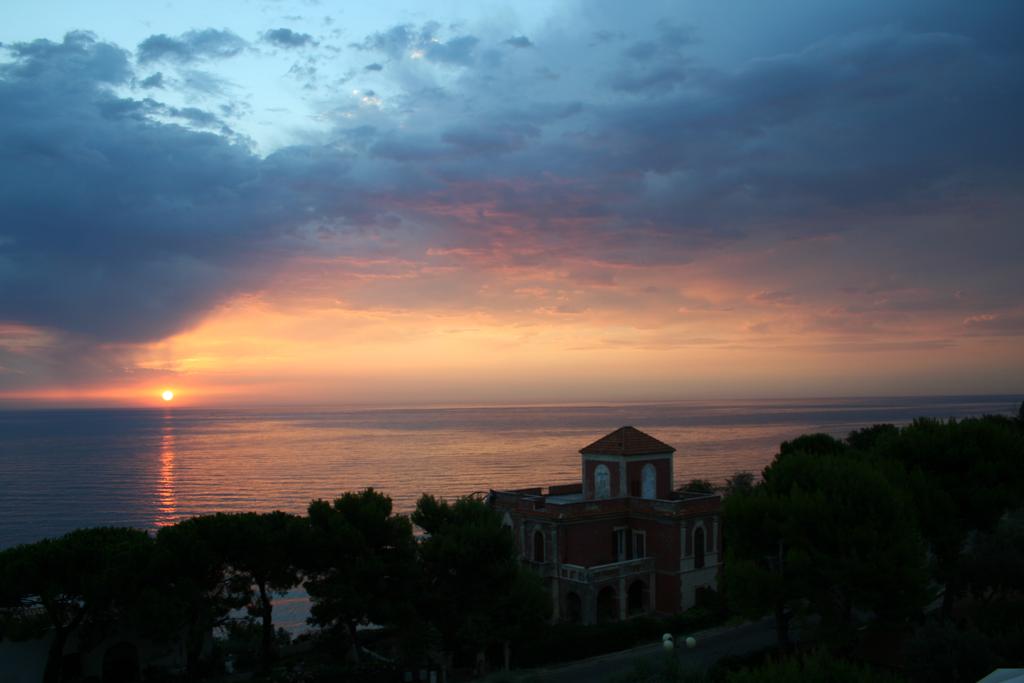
361, 563
475, 586
83, 582
824, 532
264, 550
192, 590
962, 477
837, 526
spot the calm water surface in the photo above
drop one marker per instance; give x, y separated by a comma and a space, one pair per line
145, 468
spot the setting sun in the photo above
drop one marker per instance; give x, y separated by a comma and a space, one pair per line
167, 395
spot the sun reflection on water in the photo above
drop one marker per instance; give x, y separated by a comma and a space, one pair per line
167, 509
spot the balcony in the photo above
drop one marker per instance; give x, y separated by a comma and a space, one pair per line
542, 569
605, 572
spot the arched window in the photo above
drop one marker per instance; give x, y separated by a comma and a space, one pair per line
538, 546
602, 482
698, 548
649, 486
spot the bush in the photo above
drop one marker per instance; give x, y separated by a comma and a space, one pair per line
818, 667
242, 638
709, 599
665, 668
941, 652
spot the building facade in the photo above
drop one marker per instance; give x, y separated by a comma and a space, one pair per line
621, 542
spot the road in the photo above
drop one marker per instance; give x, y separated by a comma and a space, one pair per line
712, 645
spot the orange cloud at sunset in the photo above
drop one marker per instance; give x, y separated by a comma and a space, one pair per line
372, 332
521, 324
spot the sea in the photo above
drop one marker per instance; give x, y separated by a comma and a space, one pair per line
64, 469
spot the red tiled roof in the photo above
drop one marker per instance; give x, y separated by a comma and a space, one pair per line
627, 441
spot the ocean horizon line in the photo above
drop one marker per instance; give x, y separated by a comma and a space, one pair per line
10, 405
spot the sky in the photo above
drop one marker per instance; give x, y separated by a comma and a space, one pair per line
259, 202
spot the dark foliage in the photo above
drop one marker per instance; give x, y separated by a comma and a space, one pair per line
868, 438
699, 486
264, 551
475, 589
83, 583
962, 477
740, 482
941, 652
815, 444
360, 564
191, 590
818, 667
823, 533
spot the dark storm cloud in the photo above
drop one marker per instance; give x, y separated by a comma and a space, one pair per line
191, 46
490, 141
118, 228
287, 38
669, 40
878, 121
67, 361
672, 153
659, 79
78, 55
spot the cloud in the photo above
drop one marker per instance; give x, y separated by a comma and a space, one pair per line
119, 228
79, 55
655, 65
287, 38
659, 79
519, 41
1004, 323
204, 83
773, 296
493, 140
405, 41
191, 46
878, 121
154, 81
649, 162
458, 50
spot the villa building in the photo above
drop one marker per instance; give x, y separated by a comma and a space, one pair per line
621, 542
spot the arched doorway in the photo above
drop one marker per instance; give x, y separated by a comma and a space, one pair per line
607, 605
121, 663
636, 602
573, 608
